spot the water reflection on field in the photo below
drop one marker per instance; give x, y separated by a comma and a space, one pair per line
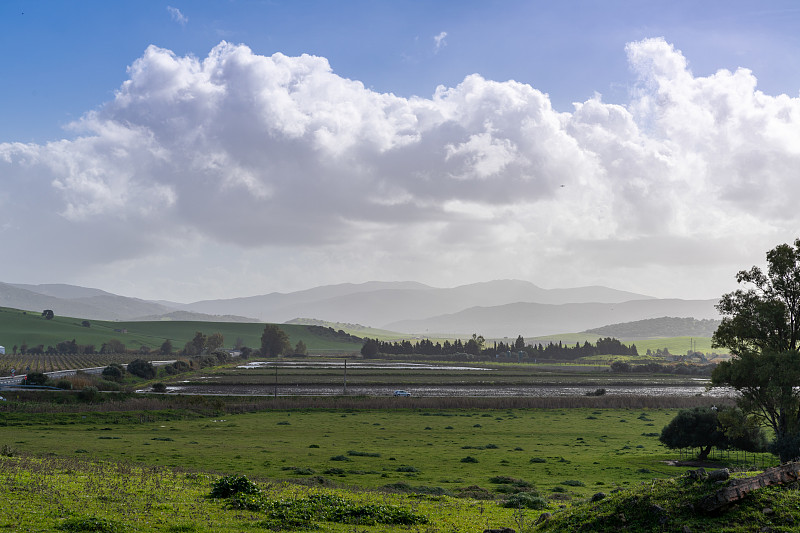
382, 365
691, 386
441, 391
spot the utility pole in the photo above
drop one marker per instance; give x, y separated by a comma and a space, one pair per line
345, 377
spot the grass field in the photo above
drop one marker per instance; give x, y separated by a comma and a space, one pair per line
569, 452
20, 327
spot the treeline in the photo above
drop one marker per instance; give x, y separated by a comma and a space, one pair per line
475, 349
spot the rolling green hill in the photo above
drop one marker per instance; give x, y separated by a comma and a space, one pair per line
21, 327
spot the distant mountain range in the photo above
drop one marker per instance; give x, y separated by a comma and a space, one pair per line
493, 309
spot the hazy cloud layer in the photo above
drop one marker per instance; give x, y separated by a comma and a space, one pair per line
280, 163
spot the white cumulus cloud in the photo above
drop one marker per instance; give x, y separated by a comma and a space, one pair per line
265, 156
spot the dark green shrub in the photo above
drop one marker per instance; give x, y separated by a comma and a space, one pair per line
106, 385
356, 453
573, 483
113, 372
141, 368
89, 394
36, 378
407, 468
93, 524
227, 486
340, 458
159, 387
64, 384
525, 500
538, 460
469, 459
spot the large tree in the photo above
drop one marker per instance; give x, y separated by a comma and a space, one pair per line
761, 328
274, 341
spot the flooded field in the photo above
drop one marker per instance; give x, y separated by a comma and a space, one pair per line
448, 390
382, 378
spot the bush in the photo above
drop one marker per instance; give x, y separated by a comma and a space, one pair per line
469, 459
159, 387
89, 394
36, 378
79, 525
105, 385
227, 486
525, 500
113, 372
141, 368
64, 384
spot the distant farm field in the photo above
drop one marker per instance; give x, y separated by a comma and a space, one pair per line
21, 327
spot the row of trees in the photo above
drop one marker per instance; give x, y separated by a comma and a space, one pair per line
517, 350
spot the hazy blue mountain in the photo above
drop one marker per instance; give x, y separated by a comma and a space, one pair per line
95, 304
376, 304
493, 308
534, 319
62, 290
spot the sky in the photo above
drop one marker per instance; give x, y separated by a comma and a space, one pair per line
190, 150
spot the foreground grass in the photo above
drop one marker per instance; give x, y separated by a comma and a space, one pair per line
670, 505
50, 494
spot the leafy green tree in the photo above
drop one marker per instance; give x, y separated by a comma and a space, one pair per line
693, 428
761, 328
369, 349
166, 347
198, 343
274, 341
708, 427
300, 348
519, 344
48, 314
213, 342
113, 346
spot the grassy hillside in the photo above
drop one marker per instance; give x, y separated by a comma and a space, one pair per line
18, 327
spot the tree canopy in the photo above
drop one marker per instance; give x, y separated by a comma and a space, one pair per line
274, 341
761, 328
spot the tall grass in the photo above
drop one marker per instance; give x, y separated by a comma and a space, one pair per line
29, 402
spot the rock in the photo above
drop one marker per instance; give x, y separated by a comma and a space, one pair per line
696, 475
598, 496
723, 474
544, 517
739, 488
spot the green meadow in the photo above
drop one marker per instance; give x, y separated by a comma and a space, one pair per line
569, 452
